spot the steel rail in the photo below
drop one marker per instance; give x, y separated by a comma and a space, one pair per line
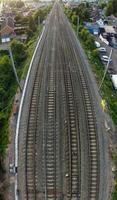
92, 134
91, 125
59, 60
50, 182
73, 129
31, 134
19, 116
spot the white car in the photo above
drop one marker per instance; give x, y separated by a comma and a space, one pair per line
97, 44
102, 49
106, 59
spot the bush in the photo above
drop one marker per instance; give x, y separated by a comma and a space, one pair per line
32, 25
95, 55
20, 4
41, 14
74, 19
84, 34
19, 52
83, 12
87, 38
111, 8
90, 43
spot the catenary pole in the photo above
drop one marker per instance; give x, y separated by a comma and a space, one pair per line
106, 69
14, 69
78, 20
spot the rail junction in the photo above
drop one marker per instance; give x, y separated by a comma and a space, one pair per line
58, 148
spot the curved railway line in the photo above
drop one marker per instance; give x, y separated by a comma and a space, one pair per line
61, 126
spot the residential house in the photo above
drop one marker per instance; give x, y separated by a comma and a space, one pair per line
7, 27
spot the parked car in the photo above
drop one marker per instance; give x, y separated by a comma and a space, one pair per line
114, 80
102, 49
97, 44
106, 59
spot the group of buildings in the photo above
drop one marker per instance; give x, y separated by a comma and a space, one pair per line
9, 27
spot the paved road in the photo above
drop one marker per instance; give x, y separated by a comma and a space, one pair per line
54, 138
113, 65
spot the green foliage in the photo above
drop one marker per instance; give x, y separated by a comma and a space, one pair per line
87, 38
32, 25
83, 12
74, 19
37, 18
80, 28
90, 43
102, 5
41, 14
17, 4
6, 82
20, 4
30, 22
3, 135
84, 34
6, 75
68, 12
95, 55
22, 20
111, 8
19, 52
7, 90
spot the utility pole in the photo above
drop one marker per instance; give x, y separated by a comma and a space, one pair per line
14, 69
78, 22
38, 20
106, 69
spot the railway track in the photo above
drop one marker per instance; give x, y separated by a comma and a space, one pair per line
90, 118
31, 176
72, 137
61, 126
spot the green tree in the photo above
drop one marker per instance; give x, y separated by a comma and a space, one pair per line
32, 25
6, 79
84, 34
19, 52
39, 14
90, 42
102, 5
5, 71
12, 4
96, 54
83, 12
20, 4
74, 19
111, 8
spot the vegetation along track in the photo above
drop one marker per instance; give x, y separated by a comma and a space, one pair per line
61, 140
